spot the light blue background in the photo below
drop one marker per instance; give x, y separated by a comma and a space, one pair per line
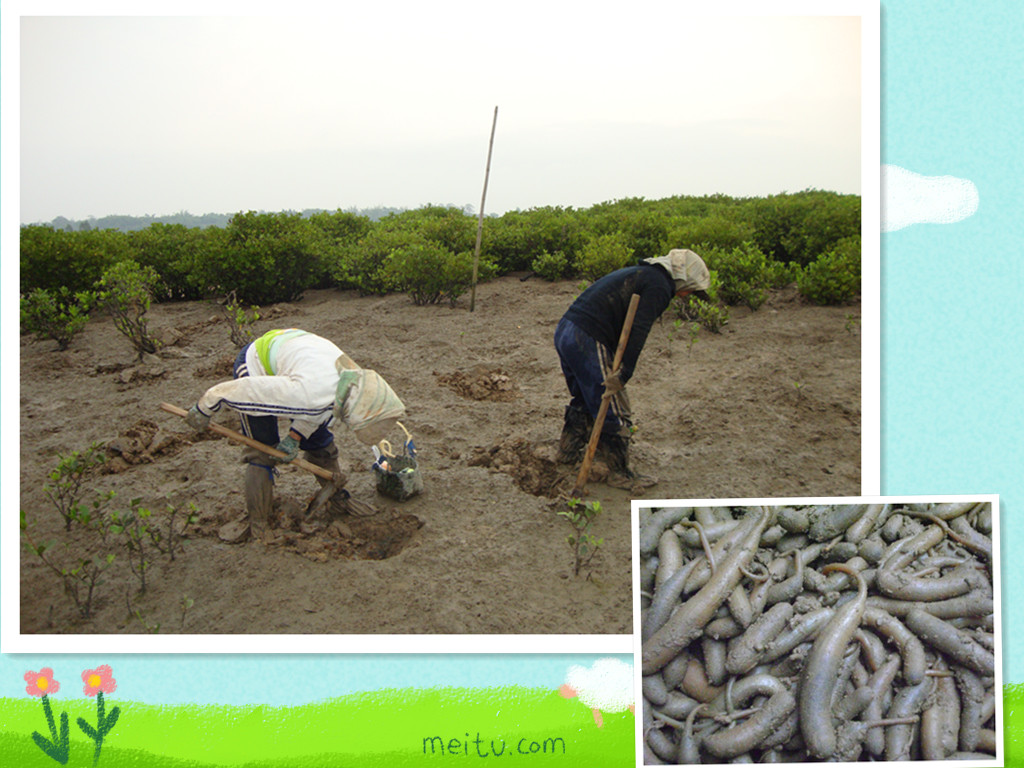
952, 357
952, 362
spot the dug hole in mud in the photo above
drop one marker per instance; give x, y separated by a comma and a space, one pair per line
317, 536
485, 551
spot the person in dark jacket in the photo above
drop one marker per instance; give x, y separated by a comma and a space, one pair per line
586, 339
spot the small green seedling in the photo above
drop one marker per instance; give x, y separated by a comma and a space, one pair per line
583, 543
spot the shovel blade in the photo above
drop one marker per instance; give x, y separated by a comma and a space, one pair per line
322, 497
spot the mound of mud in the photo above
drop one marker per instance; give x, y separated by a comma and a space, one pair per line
480, 383
531, 466
141, 443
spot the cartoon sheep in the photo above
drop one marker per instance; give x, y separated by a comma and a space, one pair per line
605, 687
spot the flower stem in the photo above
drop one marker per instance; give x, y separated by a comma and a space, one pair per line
49, 717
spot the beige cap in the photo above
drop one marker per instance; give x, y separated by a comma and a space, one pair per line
687, 269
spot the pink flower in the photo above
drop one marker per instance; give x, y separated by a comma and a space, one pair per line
41, 683
99, 679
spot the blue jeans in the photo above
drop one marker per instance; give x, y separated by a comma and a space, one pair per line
264, 428
585, 365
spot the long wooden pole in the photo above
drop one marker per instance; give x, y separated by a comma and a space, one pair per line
602, 412
238, 437
480, 220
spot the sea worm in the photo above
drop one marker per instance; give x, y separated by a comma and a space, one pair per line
724, 628
745, 651
972, 538
866, 523
890, 531
946, 511
678, 705
661, 745
786, 590
714, 660
974, 604
804, 628
879, 684
741, 738
666, 598
835, 520
940, 720
910, 647
955, 643
872, 549
841, 580
852, 735
987, 741
696, 684
687, 622
675, 670
907, 549
794, 520
874, 653
908, 702
904, 586
688, 752
772, 536
820, 672
670, 557
972, 694
984, 520
654, 689
656, 525
739, 606
719, 550
695, 534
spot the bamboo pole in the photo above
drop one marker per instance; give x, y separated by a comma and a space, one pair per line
480, 219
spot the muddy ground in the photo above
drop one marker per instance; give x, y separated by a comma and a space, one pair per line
768, 407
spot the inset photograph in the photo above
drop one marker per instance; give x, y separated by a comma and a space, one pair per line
818, 630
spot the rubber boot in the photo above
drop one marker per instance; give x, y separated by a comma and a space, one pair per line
614, 448
575, 436
327, 458
259, 498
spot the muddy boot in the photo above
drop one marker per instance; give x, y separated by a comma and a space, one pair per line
615, 451
259, 498
575, 436
327, 458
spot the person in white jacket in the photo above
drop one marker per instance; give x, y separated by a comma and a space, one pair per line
296, 375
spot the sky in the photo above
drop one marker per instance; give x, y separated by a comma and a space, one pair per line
393, 104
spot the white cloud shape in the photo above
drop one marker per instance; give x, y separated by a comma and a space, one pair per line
910, 198
606, 686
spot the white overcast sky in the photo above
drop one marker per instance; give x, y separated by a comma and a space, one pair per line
391, 104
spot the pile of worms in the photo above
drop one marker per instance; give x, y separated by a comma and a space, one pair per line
832, 633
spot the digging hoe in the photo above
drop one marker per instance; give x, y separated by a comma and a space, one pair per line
326, 492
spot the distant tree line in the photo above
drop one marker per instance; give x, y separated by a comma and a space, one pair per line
190, 220
811, 238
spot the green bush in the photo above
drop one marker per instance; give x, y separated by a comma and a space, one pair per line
430, 274
743, 272
835, 277
550, 266
56, 315
174, 251
125, 291
603, 254
710, 314
264, 257
364, 265
717, 230
54, 259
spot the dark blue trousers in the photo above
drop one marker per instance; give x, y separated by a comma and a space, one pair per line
586, 363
